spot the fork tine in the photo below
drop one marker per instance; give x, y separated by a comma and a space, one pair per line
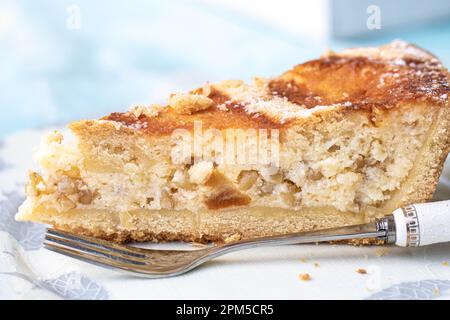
95, 250
149, 263
136, 252
95, 259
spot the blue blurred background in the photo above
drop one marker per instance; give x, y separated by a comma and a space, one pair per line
64, 60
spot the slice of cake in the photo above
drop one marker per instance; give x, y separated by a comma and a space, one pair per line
335, 141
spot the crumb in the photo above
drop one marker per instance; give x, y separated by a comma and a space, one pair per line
304, 276
54, 137
437, 292
445, 263
189, 103
361, 271
149, 111
303, 260
316, 264
383, 251
233, 238
206, 89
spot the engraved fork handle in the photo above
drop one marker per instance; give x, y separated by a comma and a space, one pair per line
413, 225
422, 224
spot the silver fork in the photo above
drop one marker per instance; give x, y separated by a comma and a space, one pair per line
152, 263
414, 225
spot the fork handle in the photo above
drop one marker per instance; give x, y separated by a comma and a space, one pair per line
422, 224
376, 229
413, 225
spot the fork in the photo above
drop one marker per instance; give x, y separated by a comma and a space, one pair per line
413, 225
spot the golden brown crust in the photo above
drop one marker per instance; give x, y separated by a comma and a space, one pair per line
387, 77
373, 79
141, 236
124, 237
168, 120
363, 83
213, 117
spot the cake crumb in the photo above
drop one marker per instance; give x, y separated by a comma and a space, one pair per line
303, 260
54, 137
437, 292
445, 263
233, 238
304, 276
316, 264
383, 251
361, 271
189, 103
149, 111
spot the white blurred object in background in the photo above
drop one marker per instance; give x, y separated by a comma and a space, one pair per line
307, 19
321, 20
349, 17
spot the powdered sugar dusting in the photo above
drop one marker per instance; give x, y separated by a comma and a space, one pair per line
397, 53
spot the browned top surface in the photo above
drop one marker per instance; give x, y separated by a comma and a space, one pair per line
363, 82
386, 77
167, 120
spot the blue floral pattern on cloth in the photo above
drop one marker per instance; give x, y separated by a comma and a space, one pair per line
74, 285
418, 290
29, 235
